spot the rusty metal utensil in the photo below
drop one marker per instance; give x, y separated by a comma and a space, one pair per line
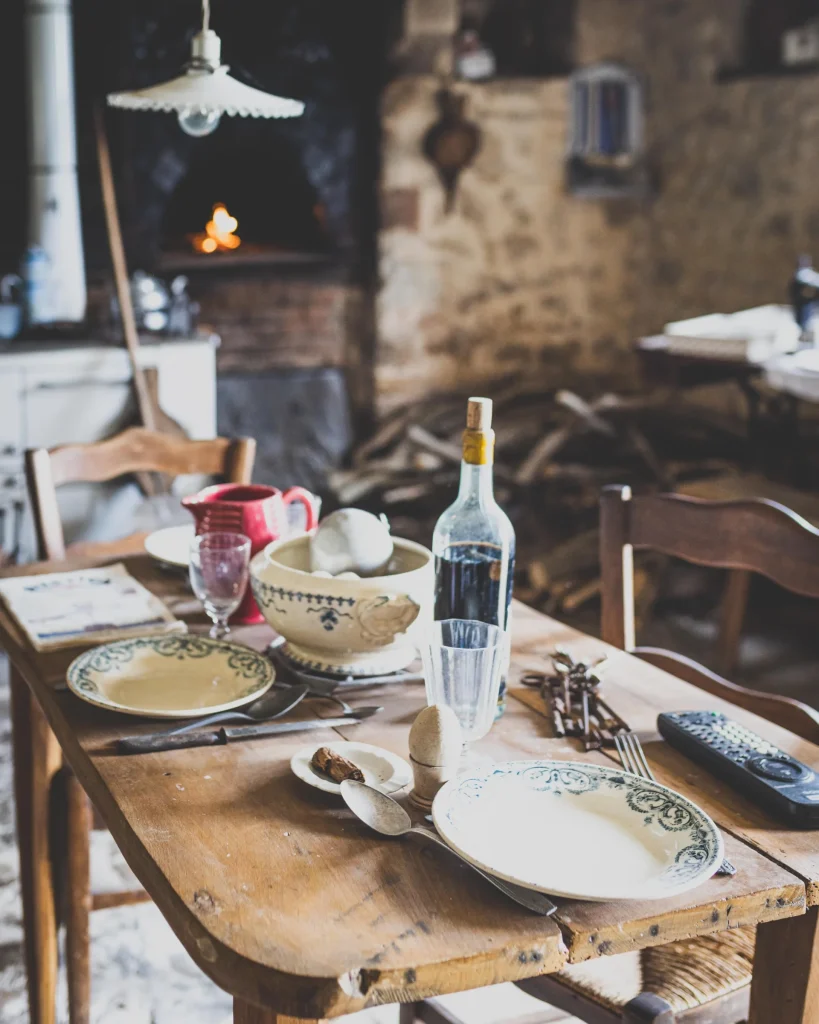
571, 695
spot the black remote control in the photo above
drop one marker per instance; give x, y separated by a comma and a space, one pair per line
759, 770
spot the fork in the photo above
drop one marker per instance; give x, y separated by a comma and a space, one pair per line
633, 759
346, 709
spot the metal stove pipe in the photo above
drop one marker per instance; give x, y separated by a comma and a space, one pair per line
54, 205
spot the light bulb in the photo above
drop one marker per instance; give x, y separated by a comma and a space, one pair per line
199, 123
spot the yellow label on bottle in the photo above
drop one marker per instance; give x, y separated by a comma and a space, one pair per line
479, 447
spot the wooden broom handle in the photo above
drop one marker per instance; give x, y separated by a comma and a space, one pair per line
145, 405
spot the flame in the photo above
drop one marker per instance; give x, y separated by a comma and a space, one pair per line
219, 234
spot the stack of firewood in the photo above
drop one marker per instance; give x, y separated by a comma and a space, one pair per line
553, 454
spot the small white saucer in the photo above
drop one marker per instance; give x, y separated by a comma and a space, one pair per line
171, 545
382, 769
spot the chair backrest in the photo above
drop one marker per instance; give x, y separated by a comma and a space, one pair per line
133, 451
753, 534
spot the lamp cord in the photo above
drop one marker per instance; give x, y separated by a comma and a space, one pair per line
205, 15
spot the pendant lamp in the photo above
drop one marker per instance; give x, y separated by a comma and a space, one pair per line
206, 91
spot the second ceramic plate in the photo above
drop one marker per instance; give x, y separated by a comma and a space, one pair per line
382, 769
170, 676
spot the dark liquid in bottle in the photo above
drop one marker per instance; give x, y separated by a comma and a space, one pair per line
468, 583
468, 579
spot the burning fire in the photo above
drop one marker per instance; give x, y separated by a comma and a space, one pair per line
219, 234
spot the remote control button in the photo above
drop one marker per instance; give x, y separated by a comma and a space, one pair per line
782, 769
705, 718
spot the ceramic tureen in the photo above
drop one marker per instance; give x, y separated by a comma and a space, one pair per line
351, 626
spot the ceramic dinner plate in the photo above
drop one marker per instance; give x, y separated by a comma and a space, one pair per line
382, 769
172, 544
578, 830
178, 676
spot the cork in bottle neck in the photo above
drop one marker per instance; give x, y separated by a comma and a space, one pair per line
479, 414
479, 438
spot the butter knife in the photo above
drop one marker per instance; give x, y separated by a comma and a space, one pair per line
155, 742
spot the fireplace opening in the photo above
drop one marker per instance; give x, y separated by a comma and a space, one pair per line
245, 199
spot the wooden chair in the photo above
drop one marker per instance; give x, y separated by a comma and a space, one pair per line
64, 844
133, 451
751, 535
702, 980
737, 487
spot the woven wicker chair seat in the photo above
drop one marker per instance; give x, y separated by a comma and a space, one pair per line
687, 973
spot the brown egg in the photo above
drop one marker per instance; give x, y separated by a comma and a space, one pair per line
435, 737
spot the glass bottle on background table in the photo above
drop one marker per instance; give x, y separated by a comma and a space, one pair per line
474, 542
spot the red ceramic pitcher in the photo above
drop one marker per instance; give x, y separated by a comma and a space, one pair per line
256, 511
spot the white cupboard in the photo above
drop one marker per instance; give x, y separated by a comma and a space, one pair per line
52, 394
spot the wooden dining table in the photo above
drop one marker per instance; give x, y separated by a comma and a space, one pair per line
293, 906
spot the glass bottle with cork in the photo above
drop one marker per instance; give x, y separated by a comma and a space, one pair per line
474, 542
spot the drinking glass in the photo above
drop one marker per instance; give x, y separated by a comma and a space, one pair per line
463, 663
219, 573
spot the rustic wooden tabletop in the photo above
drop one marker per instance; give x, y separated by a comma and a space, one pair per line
289, 903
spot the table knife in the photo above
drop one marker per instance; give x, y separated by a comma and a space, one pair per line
154, 742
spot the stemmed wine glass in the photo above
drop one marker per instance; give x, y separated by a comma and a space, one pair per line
219, 573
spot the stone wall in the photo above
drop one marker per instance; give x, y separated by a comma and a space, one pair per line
736, 162
281, 318
517, 278
523, 278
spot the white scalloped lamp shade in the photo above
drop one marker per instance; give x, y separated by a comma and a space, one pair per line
207, 91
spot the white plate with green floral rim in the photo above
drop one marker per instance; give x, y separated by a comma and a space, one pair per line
179, 676
583, 831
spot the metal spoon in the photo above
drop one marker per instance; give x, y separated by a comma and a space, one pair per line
387, 816
271, 705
